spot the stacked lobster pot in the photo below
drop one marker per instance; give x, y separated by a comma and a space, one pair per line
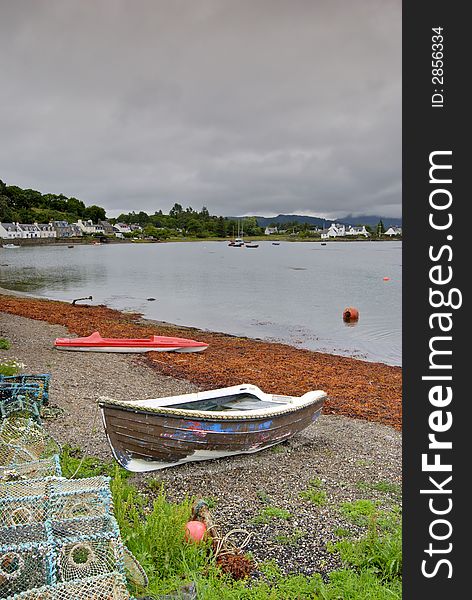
58, 537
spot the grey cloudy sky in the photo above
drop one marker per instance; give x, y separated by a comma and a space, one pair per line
244, 106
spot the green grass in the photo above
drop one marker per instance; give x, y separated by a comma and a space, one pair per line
153, 528
264, 496
314, 493
10, 367
4, 344
291, 539
266, 514
380, 550
74, 464
386, 487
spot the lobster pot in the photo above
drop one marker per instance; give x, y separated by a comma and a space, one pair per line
42, 380
102, 587
45, 554
24, 559
20, 398
86, 547
23, 440
75, 498
35, 501
35, 469
22, 569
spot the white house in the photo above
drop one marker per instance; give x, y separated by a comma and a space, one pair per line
88, 227
334, 230
122, 228
393, 231
29, 230
357, 231
46, 230
270, 230
9, 231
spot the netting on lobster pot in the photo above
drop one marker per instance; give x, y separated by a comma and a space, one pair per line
42, 380
23, 399
102, 587
24, 440
35, 469
33, 501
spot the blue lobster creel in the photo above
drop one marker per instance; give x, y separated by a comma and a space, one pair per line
52, 552
20, 398
41, 379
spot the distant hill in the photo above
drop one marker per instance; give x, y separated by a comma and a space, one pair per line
371, 220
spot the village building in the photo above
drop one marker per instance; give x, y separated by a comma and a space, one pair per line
391, 231
9, 231
89, 228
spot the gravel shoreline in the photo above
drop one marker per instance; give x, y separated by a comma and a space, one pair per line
348, 456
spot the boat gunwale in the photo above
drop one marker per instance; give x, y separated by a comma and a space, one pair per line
164, 411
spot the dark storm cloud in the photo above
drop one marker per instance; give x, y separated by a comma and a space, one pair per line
245, 106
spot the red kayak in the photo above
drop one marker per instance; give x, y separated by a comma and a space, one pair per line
156, 343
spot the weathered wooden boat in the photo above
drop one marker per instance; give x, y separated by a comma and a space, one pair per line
156, 343
147, 435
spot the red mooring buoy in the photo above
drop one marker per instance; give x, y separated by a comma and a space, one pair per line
386, 278
350, 314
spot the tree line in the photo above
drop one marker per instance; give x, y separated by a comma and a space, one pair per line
30, 206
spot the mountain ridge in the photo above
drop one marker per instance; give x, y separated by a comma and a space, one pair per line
370, 220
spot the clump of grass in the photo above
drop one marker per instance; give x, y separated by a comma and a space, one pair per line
75, 464
4, 344
358, 512
386, 487
268, 513
10, 367
155, 534
210, 501
380, 551
314, 493
290, 539
264, 496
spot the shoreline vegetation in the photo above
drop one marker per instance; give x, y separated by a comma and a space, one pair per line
355, 388
90, 240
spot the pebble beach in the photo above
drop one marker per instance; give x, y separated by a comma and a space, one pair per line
353, 448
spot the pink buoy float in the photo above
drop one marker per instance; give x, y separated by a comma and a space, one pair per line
195, 531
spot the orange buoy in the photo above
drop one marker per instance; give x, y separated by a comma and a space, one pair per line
386, 278
195, 531
350, 314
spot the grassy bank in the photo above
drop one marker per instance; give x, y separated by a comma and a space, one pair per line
154, 530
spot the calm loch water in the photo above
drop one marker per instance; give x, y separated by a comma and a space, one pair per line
294, 292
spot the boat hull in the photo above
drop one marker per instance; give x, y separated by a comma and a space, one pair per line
156, 343
129, 349
146, 441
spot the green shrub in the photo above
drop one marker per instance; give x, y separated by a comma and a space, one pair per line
4, 344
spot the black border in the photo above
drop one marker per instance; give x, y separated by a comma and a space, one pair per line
427, 129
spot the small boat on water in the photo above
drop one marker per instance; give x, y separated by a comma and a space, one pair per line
147, 435
8, 246
156, 343
252, 245
275, 243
